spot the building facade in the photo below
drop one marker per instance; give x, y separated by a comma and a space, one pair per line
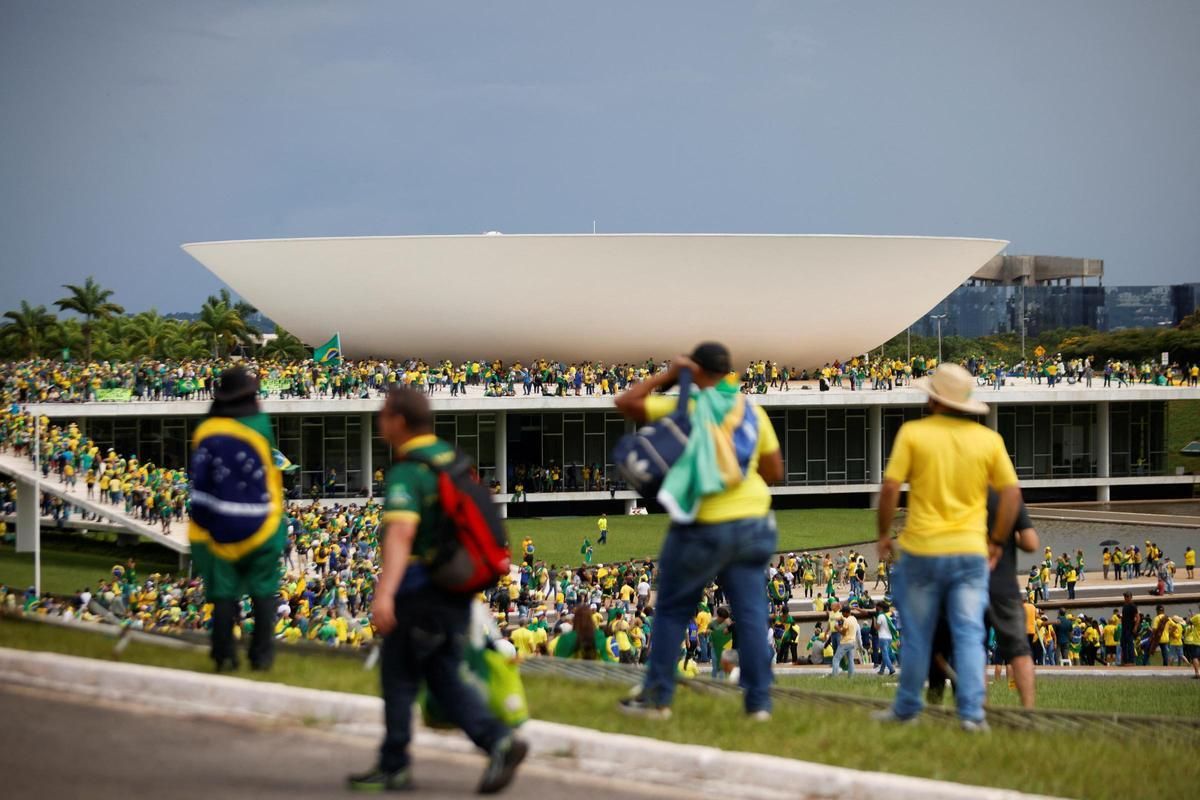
1071, 443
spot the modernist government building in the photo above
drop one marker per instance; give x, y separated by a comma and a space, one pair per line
794, 299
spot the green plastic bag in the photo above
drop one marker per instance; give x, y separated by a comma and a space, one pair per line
496, 677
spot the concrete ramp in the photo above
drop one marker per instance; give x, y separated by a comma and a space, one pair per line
21, 469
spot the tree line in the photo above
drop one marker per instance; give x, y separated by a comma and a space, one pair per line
101, 330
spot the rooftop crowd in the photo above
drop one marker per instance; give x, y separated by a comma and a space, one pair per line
47, 380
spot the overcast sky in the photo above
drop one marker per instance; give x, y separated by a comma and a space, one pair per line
1069, 128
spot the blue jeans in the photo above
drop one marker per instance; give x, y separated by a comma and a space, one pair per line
924, 588
737, 554
885, 656
844, 651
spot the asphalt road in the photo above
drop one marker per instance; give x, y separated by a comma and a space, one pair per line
61, 748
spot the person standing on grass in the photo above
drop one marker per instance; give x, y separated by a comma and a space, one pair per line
1130, 619
1191, 644
424, 627
732, 536
602, 526
949, 461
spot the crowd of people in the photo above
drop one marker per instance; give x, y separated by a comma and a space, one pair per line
50, 380
156, 495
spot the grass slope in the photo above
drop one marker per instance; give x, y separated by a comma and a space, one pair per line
1183, 426
67, 571
1066, 764
558, 539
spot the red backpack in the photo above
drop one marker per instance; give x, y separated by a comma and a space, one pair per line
472, 549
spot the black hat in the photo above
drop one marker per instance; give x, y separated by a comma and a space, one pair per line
713, 357
235, 394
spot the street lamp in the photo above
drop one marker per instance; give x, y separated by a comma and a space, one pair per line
938, 319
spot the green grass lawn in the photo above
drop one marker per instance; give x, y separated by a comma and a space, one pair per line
1164, 697
1183, 426
558, 539
830, 735
65, 571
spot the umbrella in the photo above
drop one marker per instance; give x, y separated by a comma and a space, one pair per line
1109, 542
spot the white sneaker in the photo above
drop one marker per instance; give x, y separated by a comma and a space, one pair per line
759, 716
975, 726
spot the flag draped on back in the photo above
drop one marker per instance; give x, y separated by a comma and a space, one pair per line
330, 352
719, 450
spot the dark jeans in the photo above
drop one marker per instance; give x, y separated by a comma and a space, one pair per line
735, 553
262, 642
427, 646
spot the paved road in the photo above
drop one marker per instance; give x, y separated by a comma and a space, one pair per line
58, 748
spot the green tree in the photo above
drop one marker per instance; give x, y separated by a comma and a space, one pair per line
92, 302
150, 333
28, 328
286, 347
185, 343
222, 326
243, 309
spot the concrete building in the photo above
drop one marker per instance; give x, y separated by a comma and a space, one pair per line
1068, 442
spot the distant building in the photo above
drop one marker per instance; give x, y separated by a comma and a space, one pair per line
1054, 292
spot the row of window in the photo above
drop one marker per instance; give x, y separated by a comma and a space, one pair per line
821, 446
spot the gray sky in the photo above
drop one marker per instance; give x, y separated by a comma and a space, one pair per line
1070, 128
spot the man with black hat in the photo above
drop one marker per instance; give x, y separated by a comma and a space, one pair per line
730, 535
238, 527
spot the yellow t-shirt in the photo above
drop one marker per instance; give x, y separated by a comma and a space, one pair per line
949, 462
1189, 558
751, 497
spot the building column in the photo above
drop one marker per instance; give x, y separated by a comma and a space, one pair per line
29, 527
993, 417
1103, 450
366, 453
630, 427
502, 456
29, 517
874, 452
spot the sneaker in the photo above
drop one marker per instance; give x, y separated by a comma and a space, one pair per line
502, 765
889, 717
975, 726
641, 707
759, 716
378, 780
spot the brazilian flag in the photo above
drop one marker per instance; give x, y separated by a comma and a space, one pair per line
238, 527
330, 352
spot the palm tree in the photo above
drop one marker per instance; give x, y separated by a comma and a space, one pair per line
91, 301
243, 309
222, 325
286, 347
150, 332
28, 328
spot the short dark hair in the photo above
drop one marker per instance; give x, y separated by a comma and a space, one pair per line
412, 406
713, 358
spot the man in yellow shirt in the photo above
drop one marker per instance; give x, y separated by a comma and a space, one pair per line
949, 461
1191, 644
732, 536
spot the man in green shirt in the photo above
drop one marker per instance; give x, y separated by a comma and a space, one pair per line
424, 643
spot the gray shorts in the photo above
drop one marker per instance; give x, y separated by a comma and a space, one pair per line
1006, 613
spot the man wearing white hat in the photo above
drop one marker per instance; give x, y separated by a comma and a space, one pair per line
949, 461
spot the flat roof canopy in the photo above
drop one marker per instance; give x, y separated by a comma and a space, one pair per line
798, 299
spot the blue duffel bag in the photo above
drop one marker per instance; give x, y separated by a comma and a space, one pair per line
643, 458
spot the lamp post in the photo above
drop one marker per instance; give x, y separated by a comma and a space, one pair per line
938, 319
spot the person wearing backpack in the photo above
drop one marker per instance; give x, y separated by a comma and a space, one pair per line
424, 623
729, 533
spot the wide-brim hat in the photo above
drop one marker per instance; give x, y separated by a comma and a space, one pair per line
236, 394
951, 385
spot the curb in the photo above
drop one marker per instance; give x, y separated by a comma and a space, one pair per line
706, 770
